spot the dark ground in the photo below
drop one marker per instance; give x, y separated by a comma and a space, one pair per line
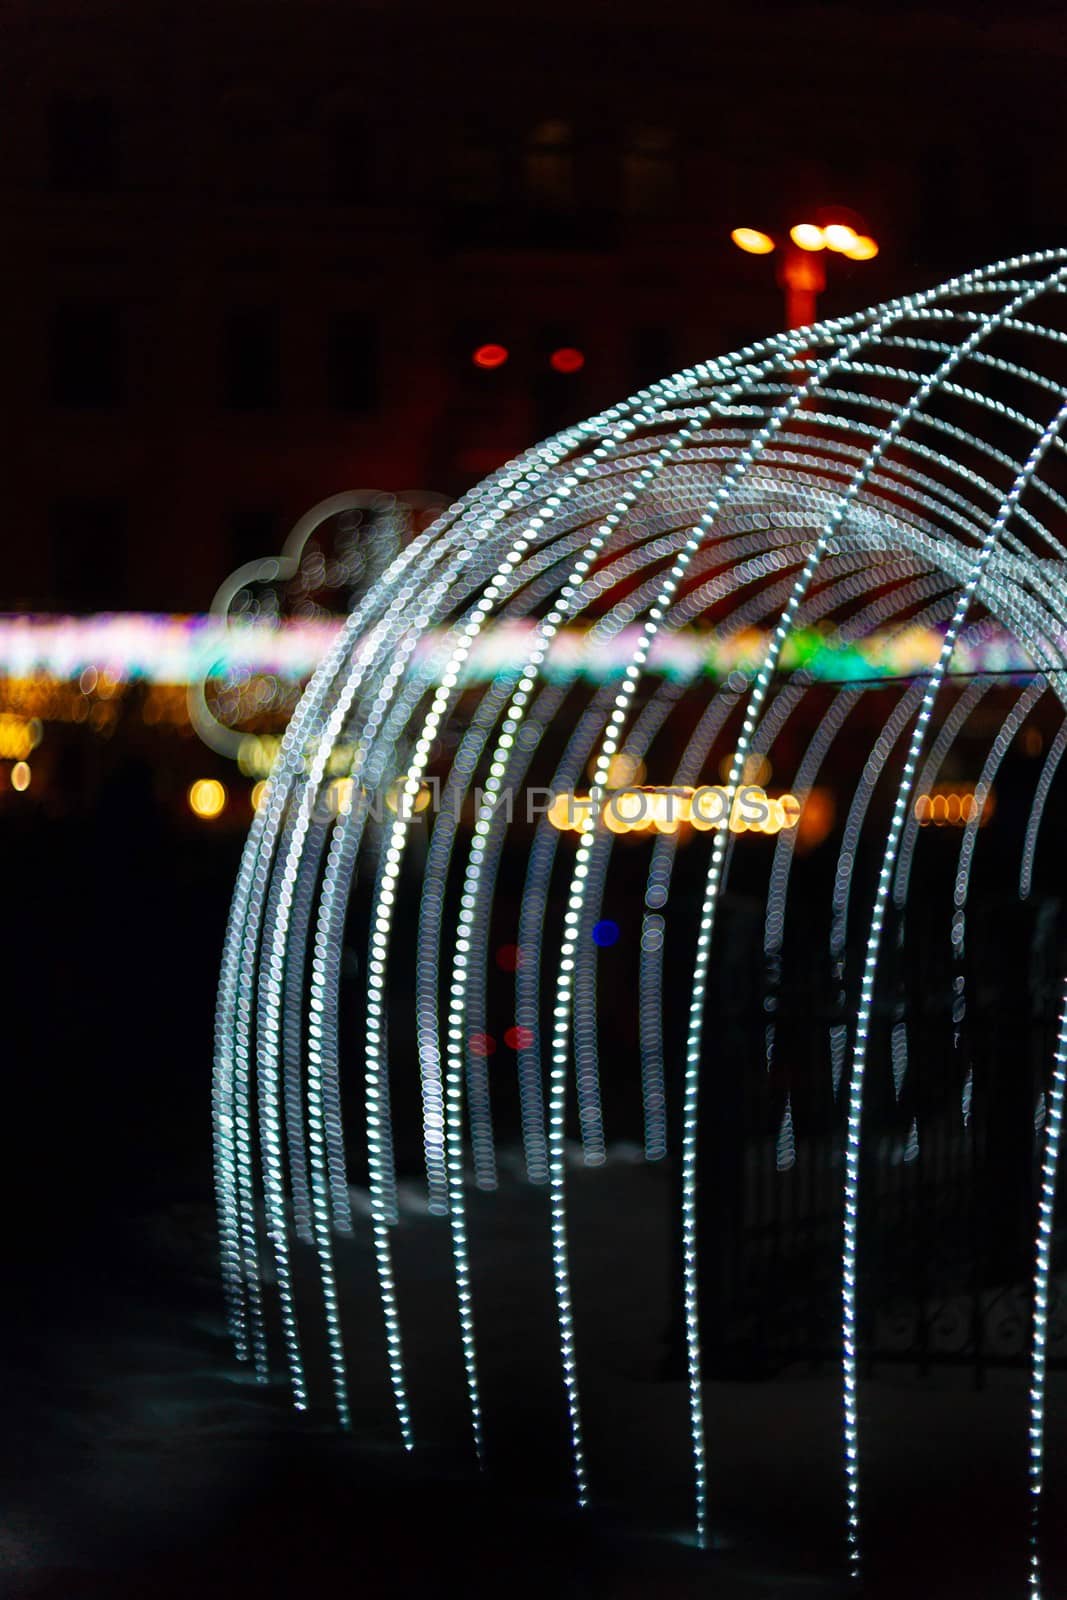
138, 1460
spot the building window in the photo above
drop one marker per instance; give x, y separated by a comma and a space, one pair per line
559, 381
82, 143
353, 377
653, 355
649, 173
254, 532
351, 160
475, 171
89, 546
549, 166
87, 357
251, 360
247, 154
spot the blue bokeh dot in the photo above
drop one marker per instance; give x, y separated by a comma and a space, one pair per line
605, 933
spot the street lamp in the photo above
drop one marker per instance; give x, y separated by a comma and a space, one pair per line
801, 269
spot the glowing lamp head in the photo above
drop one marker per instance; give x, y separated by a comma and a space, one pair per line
207, 798
752, 241
490, 356
566, 359
808, 236
839, 237
862, 248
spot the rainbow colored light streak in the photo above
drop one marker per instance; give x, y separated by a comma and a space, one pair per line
158, 648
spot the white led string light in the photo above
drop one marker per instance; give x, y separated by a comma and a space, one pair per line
991, 766
532, 913
494, 590
949, 731
825, 500
1042, 1274
863, 1015
312, 728
1037, 809
757, 695
231, 1117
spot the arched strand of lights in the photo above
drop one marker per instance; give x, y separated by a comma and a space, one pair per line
810, 488
1015, 719
1037, 809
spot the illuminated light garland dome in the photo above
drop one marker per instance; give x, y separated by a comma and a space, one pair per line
744, 551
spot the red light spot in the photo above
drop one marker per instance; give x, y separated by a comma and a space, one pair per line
490, 355
509, 958
481, 1044
567, 360
519, 1038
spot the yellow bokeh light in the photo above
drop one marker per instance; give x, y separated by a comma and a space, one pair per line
753, 241
340, 793
19, 736
20, 776
755, 769
583, 813
341, 760
614, 823
954, 808
623, 770
707, 809
632, 806
559, 812
863, 248
840, 237
807, 236
624, 811
815, 820
257, 753
400, 802
207, 797
259, 793
670, 809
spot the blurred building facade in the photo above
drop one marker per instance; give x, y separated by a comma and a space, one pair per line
253, 249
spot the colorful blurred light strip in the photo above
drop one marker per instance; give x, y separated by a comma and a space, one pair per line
126, 646
186, 649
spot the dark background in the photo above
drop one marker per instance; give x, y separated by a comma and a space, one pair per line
250, 249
